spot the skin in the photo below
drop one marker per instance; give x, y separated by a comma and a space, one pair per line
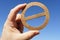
13, 27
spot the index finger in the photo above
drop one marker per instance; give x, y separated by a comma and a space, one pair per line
14, 11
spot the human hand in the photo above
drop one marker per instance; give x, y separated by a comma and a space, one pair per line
13, 27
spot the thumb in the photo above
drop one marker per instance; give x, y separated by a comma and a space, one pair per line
30, 34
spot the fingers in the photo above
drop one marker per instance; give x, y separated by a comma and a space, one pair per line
18, 17
30, 34
19, 23
14, 11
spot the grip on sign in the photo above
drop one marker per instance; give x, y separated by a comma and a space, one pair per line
45, 13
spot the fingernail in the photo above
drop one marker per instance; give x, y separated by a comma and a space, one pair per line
24, 3
36, 32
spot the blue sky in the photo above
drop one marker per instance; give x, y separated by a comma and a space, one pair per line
50, 32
